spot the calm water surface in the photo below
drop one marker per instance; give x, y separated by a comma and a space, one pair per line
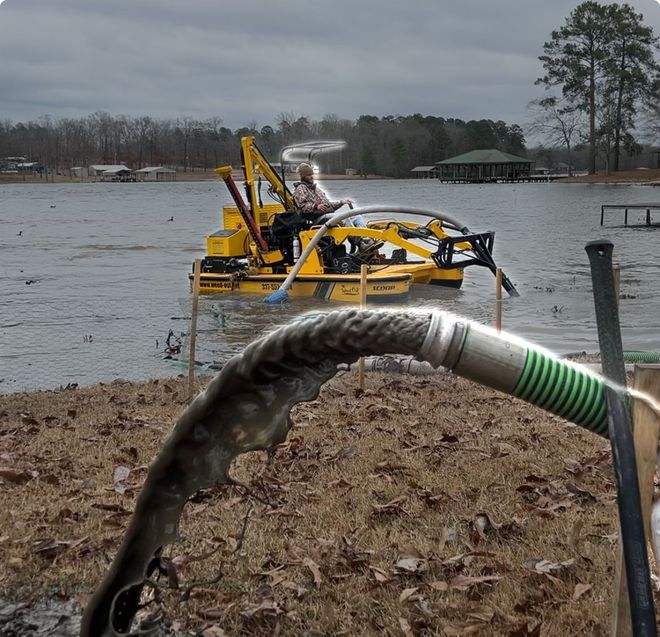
94, 276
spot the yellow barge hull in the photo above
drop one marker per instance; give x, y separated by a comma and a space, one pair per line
427, 273
345, 288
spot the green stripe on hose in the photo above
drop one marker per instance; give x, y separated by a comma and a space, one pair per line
555, 388
533, 377
596, 420
584, 401
594, 406
522, 381
575, 392
551, 379
563, 390
562, 399
542, 381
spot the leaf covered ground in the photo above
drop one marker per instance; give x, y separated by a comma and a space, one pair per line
423, 506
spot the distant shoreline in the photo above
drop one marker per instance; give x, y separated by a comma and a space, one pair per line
649, 177
197, 176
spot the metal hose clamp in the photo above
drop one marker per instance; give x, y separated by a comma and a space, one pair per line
442, 343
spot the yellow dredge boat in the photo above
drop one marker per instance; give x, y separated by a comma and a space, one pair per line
263, 248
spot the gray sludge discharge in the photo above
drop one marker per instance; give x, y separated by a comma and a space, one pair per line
246, 407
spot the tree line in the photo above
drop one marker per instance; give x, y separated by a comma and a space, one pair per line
601, 79
389, 145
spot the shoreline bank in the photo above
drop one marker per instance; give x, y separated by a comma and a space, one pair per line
422, 499
649, 177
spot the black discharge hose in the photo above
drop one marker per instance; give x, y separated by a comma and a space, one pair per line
246, 407
635, 555
638, 577
484, 254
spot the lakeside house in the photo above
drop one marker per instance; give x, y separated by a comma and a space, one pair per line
96, 170
21, 165
111, 172
155, 173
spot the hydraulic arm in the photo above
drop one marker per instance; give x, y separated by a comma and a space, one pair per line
252, 157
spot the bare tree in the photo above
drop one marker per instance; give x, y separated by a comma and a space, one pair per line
559, 122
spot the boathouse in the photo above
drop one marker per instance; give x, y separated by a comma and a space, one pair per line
116, 173
155, 173
484, 166
424, 172
97, 170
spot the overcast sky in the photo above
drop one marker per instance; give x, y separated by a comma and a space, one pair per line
249, 60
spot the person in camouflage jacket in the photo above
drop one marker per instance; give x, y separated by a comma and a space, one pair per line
313, 203
310, 200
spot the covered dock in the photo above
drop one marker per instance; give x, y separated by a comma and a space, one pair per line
486, 166
649, 208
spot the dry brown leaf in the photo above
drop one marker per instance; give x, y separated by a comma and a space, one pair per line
545, 567
215, 612
119, 476
405, 627
412, 563
27, 419
407, 593
214, 631
267, 608
389, 508
462, 629
439, 585
580, 590
482, 613
17, 476
314, 568
340, 483
50, 547
463, 582
379, 574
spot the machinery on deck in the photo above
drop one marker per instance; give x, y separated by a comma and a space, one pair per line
260, 244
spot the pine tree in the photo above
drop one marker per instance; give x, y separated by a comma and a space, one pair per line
603, 60
575, 59
631, 70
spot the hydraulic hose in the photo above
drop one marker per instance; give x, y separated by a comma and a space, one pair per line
281, 294
246, 407
641, 357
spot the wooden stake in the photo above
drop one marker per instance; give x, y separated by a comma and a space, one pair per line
363, 304
646, 432
193, 328
498, 299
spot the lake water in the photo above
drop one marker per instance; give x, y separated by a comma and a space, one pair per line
94, 276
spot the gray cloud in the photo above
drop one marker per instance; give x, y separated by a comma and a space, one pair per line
250, 60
